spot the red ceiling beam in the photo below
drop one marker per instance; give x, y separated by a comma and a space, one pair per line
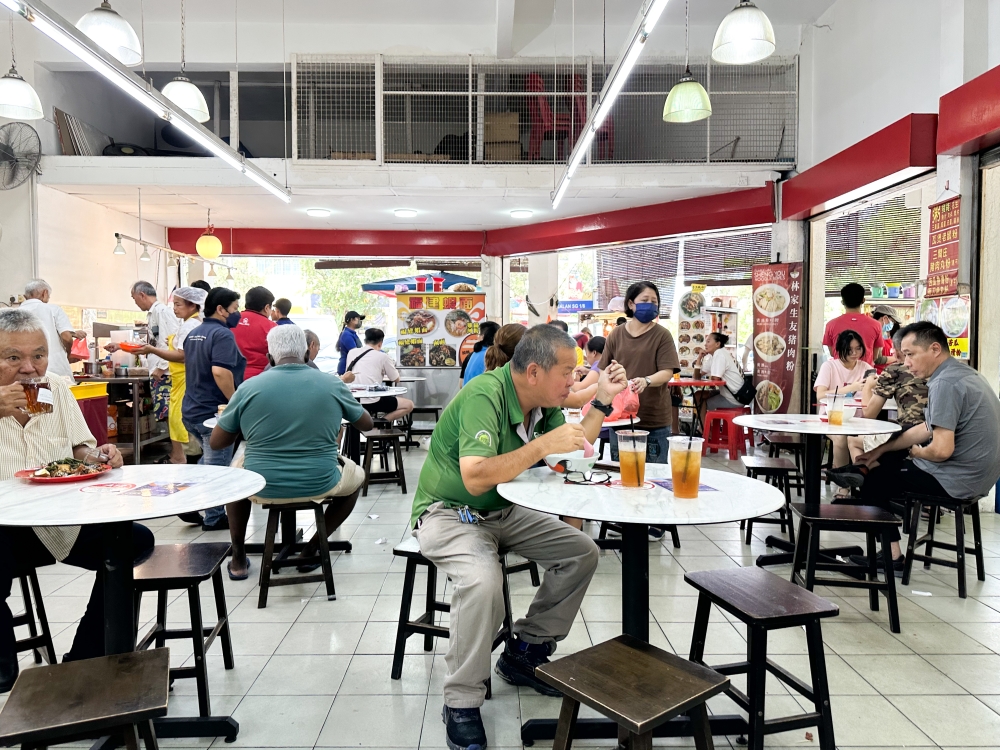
894, 154
970, 116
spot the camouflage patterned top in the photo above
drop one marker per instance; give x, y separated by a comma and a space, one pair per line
909, 391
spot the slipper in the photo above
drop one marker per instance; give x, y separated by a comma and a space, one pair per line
233, 576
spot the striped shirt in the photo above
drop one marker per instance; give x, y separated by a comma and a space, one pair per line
46, 438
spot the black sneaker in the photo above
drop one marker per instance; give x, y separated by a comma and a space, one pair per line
464, 728
8, 672
850, 477
656, 533
517, 665
194, 517
897, 564
221, 525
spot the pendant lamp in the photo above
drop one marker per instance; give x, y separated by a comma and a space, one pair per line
687, 101
745, 36
208, 245
113, 33
18, 100
211, 272
119, 250
145, 254
181, 91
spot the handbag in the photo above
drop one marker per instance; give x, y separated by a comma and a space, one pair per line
746, 394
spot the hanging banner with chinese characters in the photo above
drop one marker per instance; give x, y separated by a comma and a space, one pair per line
437, 329
942, 256
952, 314
777, 315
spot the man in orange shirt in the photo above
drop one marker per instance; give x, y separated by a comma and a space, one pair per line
251, 332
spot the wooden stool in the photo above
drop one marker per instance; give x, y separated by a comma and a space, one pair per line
721, 433
411, 430
171, 567
776, 471
604, 543
87, 699
961, 508
637, 686
383, 440
270, 561
39, 635
765, 602
874, 523
792, 444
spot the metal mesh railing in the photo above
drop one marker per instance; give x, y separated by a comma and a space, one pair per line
334, 108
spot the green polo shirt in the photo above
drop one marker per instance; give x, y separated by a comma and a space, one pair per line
482, 420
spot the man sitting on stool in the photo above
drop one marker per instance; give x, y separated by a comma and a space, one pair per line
498, 426
371, 366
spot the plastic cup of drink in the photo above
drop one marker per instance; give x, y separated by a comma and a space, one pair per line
574, 416
38, 393
685, 466
632, 457
835, 409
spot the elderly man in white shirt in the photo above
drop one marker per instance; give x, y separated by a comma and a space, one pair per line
58, 331
30, 440
371, 366
161, 321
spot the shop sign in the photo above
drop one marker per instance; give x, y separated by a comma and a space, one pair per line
698, 288
952, 315
435, 330
570, 306
777, 321
942, 256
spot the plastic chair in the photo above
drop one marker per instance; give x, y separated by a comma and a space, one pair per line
604, 138
543, 126
721, 433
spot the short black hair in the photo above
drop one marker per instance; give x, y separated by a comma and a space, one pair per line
843, 345
620, 321
852, 295
487, 332
596, 344
635, 290
258, 298
722, 338
924, 334
201, 284
283, 306
219, 297
561, 324
374, 336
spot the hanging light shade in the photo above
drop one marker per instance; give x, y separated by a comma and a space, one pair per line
188, 97
113, 33
208, 245
211, 272
687, 101
18, 100
229, 276
745, 36
145, 254
119, 250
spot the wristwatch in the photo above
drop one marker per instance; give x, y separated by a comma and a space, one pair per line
648, 381
605, 409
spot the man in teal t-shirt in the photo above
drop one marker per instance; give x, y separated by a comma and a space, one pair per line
290, 418
498, 426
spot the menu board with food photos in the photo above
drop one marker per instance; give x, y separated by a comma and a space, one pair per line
437, 329
777, 320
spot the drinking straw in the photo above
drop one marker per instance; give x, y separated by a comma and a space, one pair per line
687, 459
631, 427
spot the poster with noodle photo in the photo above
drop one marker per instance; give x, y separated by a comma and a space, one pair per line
437, 330
777, 320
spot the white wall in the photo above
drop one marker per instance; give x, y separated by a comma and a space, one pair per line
75, 243
17, 240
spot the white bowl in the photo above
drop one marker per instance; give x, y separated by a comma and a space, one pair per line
567, 462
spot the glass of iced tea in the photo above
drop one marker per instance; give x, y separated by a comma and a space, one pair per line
632, 457
685, 466
835, 409
38, 393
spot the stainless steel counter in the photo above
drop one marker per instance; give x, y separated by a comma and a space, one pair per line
439, 388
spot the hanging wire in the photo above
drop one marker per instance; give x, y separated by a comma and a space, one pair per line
183, 24
284, 94
687, 36
13, 62
142, 32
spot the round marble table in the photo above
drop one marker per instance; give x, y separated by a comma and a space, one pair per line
620, 424
352, 443
360, 393
411, 379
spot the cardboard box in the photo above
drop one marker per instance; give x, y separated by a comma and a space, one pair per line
146, 425
501, 127
502, 151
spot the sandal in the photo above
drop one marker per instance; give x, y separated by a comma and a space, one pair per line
234, 576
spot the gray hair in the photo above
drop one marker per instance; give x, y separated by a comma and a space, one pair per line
144, 287
13, 320
311, 338
540, 345
35, 288
286, 341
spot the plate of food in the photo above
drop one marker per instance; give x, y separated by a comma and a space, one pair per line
769, 346
771, 300
684, 351
928, 310
954, 316
691, 305
422, 319
412, 355
699, 325
462, 287
769, 396
698, 338
130, 347
63, 470
457, 323
442, 355
684, 338
684, 326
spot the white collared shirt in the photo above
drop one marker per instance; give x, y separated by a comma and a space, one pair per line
162, 323
56, 322
524, 434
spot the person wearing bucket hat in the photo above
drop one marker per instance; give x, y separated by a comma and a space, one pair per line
348, 338
887, 317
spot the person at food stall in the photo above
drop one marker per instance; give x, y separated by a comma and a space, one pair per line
58, 331
188, 303
718, 363
841, 375
372, 366
160, 322
349, 338
214, 370
28, 440
251, 332
647, 352
887, 317
475, 363
280, 310
497, 427
867, 329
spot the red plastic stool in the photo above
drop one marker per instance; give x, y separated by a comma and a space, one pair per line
721, 433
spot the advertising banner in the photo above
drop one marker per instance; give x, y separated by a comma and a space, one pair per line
777, 315
437, 329
942, 256
952, 314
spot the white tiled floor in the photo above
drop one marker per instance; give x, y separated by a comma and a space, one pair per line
312, 673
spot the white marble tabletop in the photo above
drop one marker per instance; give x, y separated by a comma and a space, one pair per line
811, 424
615, 423
125, 494
733, 498
363, 392
410, 379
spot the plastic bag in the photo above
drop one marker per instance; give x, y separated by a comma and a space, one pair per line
80, 350
625, 404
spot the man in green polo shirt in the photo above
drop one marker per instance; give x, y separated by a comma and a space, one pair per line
501, 424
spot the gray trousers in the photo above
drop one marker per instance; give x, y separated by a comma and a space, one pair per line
469, 555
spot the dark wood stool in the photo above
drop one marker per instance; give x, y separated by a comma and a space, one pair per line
411, 430
776, 443
172, 567
637, 686
39, 638
283, 559
777, 472
765, 602
378, 441
961, 508
874, 523
86, 699
602, 535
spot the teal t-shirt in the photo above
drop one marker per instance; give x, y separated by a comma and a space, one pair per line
290, 418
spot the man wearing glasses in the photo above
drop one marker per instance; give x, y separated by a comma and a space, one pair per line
501, 424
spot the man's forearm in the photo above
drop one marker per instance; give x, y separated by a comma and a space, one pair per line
224, 380
592, 424
913, 436
506, 467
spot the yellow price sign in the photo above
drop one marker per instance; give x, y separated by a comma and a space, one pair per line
698, 288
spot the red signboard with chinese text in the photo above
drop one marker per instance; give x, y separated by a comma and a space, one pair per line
777, 321
435, 328
942, 256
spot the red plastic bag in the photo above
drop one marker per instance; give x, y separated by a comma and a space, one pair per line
625, 404
80, 350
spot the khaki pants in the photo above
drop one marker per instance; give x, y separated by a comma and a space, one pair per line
469, 555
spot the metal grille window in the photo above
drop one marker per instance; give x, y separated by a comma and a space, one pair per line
725, 260
334, 108
877, 242
426, 114
620, 265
